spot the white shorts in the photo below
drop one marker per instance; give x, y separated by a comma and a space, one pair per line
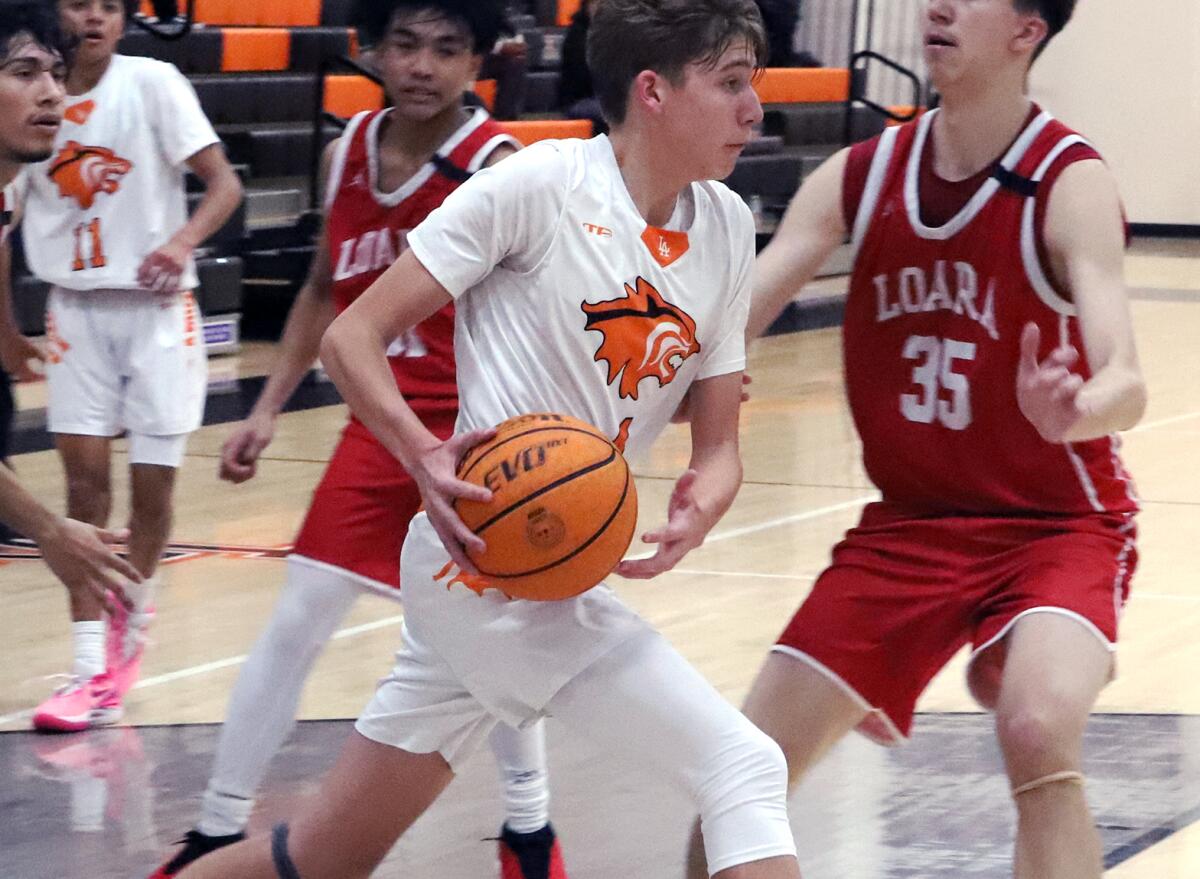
124, 360
468, 660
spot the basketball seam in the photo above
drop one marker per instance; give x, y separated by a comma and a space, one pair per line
562, 480
509, 439
616, 510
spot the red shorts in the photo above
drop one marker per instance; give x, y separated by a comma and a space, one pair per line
903, 594
361, 509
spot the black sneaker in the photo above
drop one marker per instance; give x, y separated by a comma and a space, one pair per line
530, 855
195, 845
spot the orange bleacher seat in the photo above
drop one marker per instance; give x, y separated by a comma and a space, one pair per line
529, 131
790, 85
260, 13
346, 95
255, 48
486, 89
566, 11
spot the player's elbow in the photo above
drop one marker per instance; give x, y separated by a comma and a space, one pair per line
1136, 397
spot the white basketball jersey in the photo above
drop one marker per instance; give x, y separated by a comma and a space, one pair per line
113, 192
568, 302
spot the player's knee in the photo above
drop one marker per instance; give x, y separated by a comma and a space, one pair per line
743, 799
1036, 736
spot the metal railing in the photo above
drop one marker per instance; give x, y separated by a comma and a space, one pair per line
174, 31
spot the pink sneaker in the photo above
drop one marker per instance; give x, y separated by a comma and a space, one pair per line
125, 646
80, 705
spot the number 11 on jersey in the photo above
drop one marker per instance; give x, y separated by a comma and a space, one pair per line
89, 248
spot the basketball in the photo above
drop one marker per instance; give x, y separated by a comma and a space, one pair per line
563, 506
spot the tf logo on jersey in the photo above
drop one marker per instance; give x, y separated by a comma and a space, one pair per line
644, 336
83, 172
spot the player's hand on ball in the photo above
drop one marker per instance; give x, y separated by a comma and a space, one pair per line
240, 452
686, 528
161, 270
435, 473
1047, 390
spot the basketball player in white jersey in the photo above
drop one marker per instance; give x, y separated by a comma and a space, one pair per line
990, 361
385, 174
32, 73
553, 316
106, 224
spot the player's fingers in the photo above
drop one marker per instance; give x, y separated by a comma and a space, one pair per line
462, 443
113, 535
468, 491
1066, 356
454, 545
1031, 340
1067, 388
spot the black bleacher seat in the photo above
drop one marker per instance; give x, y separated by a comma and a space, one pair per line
229, 236
542, 91
256, 98
337, 13
281, 151
313, 44
220, 285
773, 177
199, 52
821, 123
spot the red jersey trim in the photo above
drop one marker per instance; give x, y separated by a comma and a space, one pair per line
912, 197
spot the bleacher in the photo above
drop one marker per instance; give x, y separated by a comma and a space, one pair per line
254, 66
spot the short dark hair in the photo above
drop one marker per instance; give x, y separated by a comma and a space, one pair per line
485, 20
629, 36
35, 18
1056, 14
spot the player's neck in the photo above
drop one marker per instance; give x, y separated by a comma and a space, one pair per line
420, 140
652, 180
8, 172
972, 129
86, 75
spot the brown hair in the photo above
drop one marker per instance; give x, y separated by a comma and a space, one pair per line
629, 36
1056, 14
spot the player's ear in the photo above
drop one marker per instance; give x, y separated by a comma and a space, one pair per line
647, 91
1031, 32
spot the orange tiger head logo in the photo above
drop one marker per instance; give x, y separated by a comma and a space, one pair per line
644, 337
83, 172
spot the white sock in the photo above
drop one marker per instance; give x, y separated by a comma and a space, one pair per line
88, 638
262, 707
142, 594
521, 758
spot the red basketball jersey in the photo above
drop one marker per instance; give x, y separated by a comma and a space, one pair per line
932, 335
368, 229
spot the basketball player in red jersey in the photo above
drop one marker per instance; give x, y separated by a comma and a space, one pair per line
384, 175
989, 360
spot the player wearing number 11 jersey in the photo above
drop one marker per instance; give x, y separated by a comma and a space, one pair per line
989, 362
106, 223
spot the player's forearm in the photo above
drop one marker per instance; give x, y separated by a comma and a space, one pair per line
21, 511
222, 195
307, 322
355, 356
1114, 399
718, 478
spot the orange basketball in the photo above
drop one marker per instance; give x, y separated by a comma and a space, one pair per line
563, 506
